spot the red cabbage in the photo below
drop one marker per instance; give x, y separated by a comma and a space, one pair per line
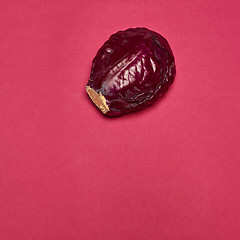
131, 70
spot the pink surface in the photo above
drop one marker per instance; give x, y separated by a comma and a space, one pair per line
170, 172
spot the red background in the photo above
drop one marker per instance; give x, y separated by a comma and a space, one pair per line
170, 172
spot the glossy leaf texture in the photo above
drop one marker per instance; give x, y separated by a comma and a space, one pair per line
132, 70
